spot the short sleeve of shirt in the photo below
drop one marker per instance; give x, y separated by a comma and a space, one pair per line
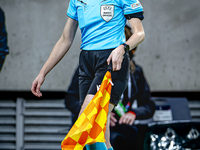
131, 6
72, 10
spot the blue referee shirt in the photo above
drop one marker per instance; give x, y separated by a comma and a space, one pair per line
102, 21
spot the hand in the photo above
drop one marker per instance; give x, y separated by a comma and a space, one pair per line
36, 84
116, 56
127, 118
113, 120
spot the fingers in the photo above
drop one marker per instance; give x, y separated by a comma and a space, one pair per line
113, 120
127, 119
124, 120
131, 122
116, 62
112, 124
112, 117
39, 94
116, 57
116, 65
35, 89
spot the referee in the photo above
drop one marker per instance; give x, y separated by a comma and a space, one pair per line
103, 42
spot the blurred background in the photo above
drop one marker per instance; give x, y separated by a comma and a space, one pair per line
169, 56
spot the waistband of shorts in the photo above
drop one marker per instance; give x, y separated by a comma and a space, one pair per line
99, 50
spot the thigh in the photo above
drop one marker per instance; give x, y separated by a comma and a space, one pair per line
92, 68
119, 78
84, 85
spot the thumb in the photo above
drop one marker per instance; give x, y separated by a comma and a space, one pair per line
109, 59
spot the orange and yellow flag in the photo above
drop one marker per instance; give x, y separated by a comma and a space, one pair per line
91, 124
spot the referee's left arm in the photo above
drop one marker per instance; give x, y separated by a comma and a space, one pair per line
138, 33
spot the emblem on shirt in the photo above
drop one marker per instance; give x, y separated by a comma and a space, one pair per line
107, 12
136, 5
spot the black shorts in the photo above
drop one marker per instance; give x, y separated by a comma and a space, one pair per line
92, 68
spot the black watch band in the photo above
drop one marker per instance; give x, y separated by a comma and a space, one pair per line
126, 47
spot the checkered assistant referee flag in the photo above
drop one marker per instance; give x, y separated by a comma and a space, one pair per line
91, 125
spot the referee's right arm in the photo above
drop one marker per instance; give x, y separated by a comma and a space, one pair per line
59, 50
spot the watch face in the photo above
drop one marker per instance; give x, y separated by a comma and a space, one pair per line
126, 47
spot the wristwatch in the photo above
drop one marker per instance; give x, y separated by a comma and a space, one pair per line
126, 47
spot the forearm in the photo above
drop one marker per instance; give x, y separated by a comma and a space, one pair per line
59, 50
135, 39
138, 33
61, 47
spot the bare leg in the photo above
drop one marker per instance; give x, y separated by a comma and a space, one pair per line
107, 133
87, 100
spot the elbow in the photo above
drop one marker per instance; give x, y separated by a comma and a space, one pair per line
141, 36
66, 41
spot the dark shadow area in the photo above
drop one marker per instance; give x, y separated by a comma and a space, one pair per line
61, 94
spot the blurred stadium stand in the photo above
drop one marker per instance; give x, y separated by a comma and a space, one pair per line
30, 123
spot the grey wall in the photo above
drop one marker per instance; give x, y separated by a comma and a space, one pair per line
169, 55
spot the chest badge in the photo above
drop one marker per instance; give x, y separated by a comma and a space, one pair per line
107, 12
